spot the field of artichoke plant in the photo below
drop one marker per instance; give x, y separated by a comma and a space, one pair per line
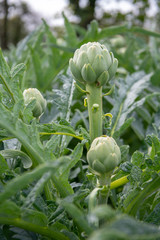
80, 135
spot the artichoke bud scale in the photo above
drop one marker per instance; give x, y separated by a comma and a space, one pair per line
88, 74
103, 79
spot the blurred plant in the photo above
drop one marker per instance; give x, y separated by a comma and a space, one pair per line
14, 23
31, 94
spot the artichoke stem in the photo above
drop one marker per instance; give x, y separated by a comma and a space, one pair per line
94, 103
104, 181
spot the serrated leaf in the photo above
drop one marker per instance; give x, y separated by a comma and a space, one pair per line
64, 100
21, 234
144, 113
126, 167
124, 152
18, 70
135, 175
53, 143
56, 127
26, 134
71, 34
156, 199
34, 217
138, 128
70, 235
57, 226
114, 30
33, 39
108, 234
64, 97
11, 81
74, 158
154, 216
125, 99
36, 190
4, 165
9, 209
29, 137
26, 178
122, 129
137, 158
83, 118
134, 229
26, 161
126, 228
140, 196
92, 32
71, 161
154, 142
37, 68
4, 68
78, 216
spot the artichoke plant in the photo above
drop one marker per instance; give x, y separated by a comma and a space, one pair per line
104, 155
40, 105
92, 63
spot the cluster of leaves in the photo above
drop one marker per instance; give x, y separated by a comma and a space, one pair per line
46, 189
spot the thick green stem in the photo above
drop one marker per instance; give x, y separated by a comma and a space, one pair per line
104, 181
94, 102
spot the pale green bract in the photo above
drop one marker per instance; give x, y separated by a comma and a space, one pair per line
104, 155
40, 106
92, 63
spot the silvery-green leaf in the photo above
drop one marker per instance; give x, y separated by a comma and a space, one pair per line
9, 153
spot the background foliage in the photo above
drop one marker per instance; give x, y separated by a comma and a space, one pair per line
18, 19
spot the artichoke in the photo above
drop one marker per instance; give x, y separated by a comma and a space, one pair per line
104, 155
92, 63
40, 105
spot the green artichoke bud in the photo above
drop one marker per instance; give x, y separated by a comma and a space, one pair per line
104, 155
40, 106
92, 63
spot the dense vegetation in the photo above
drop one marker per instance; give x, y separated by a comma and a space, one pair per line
47, 190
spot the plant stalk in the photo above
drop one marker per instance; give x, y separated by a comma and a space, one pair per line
94, 102
104, 181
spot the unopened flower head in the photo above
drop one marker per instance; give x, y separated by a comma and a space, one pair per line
93, 63
104, 155
40, 106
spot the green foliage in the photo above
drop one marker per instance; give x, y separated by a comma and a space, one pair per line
46, 189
